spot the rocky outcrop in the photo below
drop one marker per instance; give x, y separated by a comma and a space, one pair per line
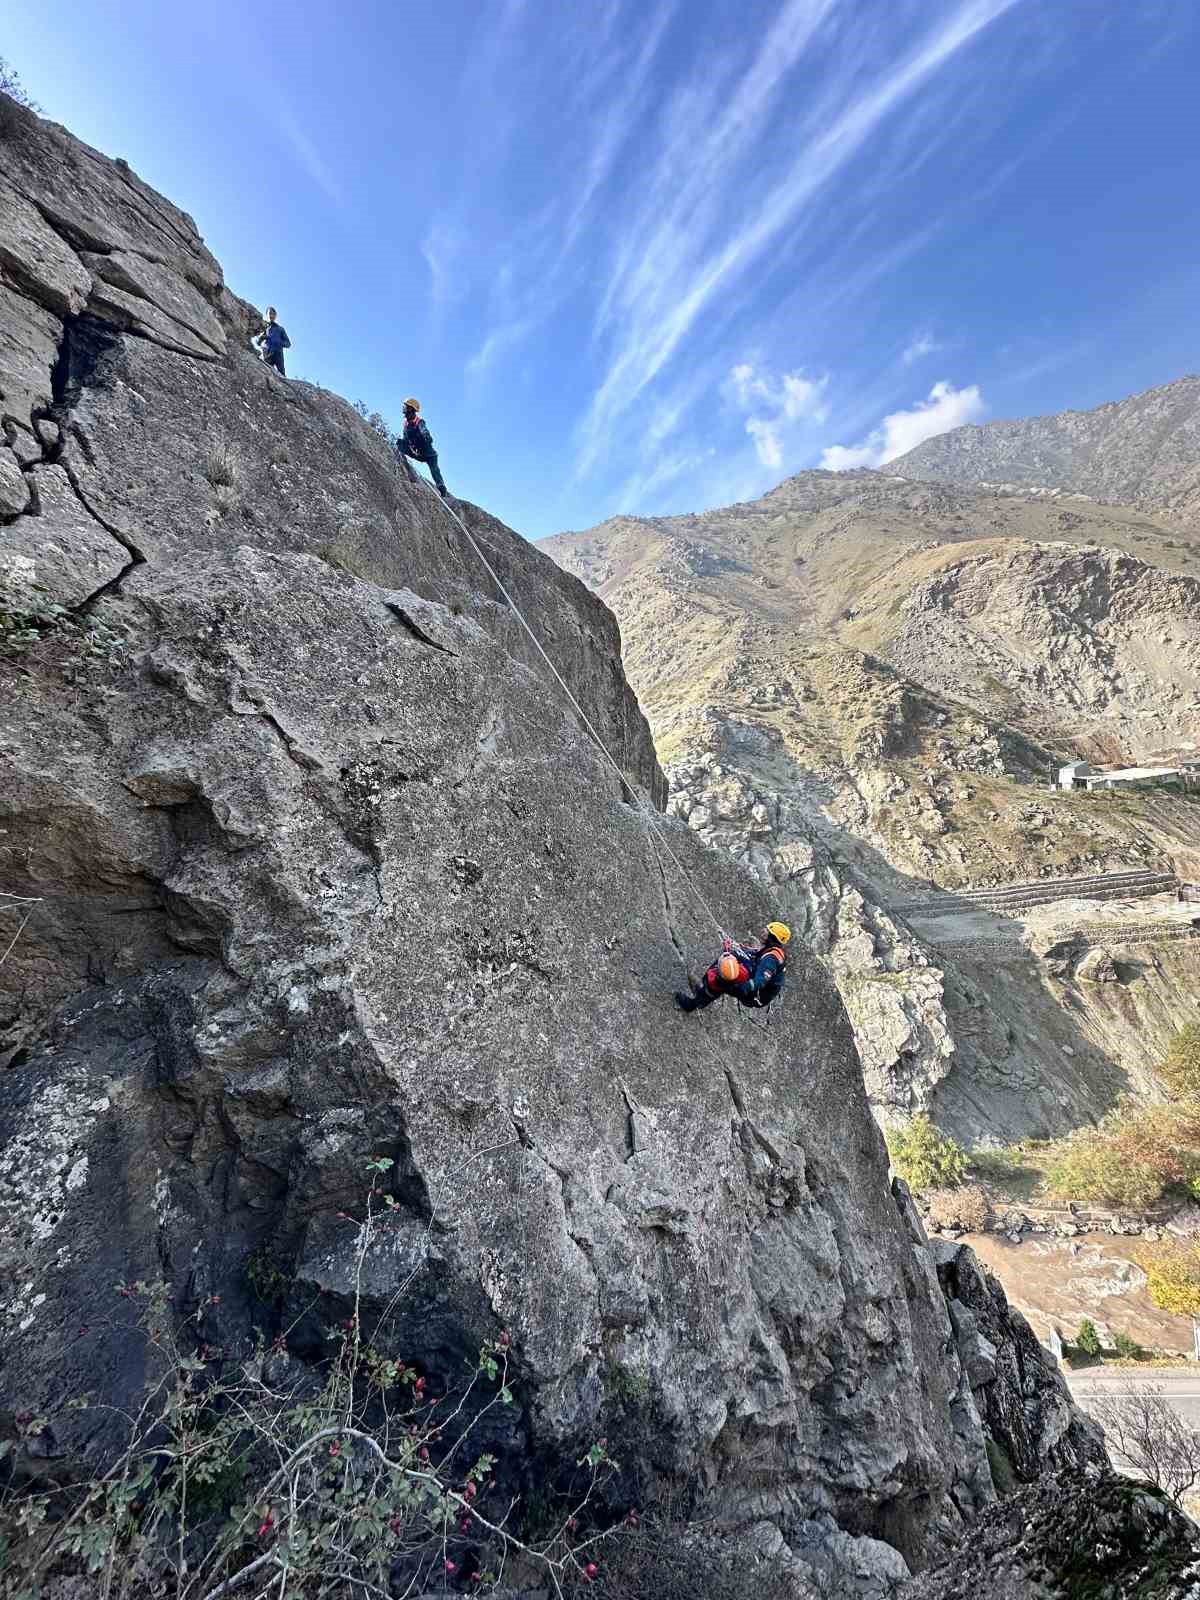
1005, 1382
1097, 1535
1023, 1399
305, 866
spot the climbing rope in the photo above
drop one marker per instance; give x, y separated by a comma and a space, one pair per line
582, 715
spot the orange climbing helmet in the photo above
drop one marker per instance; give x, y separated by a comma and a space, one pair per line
730, 968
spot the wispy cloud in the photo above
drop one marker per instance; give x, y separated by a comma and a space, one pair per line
1051, 361
443, 247
306, 153
641, 486
920, 346
776, 406
901, 431
505, 337
679, 256
623, 84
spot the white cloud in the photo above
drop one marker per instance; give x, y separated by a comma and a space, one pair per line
779, 404
921, 345
679, 254
901, 431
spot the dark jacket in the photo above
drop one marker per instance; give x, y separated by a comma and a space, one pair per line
275, 338
767, 980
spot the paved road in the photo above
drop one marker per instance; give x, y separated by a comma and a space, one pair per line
1181, 1389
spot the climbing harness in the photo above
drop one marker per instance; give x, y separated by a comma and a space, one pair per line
765, 1025
582, 715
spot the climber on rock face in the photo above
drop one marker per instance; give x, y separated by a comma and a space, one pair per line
752, 975
274, 342
416, 442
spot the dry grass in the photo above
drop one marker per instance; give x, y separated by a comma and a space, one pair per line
223, 466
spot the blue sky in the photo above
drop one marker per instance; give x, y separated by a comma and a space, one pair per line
652, 257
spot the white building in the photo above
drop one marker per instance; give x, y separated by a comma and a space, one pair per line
1073, 776
1081, 775
1127, 777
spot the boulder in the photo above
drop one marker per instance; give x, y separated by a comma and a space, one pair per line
1084, 1533
1098, 966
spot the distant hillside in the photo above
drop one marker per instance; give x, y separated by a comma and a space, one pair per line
1143, 451
1075, 623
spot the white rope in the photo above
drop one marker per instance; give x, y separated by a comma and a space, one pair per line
583, 717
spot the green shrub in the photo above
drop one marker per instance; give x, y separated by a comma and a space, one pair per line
1180, 1069
1131, 1159
1129, 1349
1173, 1274
1005, 1162
1087, 1338
925, 1157
1090, 1165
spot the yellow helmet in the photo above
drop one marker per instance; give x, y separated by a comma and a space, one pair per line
779, 931
415, 404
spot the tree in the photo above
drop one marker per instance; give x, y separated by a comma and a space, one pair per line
11, 85
17, 109
375, 420
1087, 1338
1148, 1436
925, 1157
1173, 1275
1180, 1069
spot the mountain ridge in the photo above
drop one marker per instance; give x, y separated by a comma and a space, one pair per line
1143, 451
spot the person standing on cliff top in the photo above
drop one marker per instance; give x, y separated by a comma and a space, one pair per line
274, 342
416, 443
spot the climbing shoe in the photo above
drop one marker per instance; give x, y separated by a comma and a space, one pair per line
685, 1002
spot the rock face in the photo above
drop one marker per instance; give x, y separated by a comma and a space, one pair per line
1143, 451
1096, 1535
1023, 1399
303, 863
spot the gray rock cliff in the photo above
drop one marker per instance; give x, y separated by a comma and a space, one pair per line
303, 861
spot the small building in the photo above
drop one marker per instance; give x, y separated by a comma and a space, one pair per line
1073, 776
1129, 778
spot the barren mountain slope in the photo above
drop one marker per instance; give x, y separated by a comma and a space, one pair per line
1143, 451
